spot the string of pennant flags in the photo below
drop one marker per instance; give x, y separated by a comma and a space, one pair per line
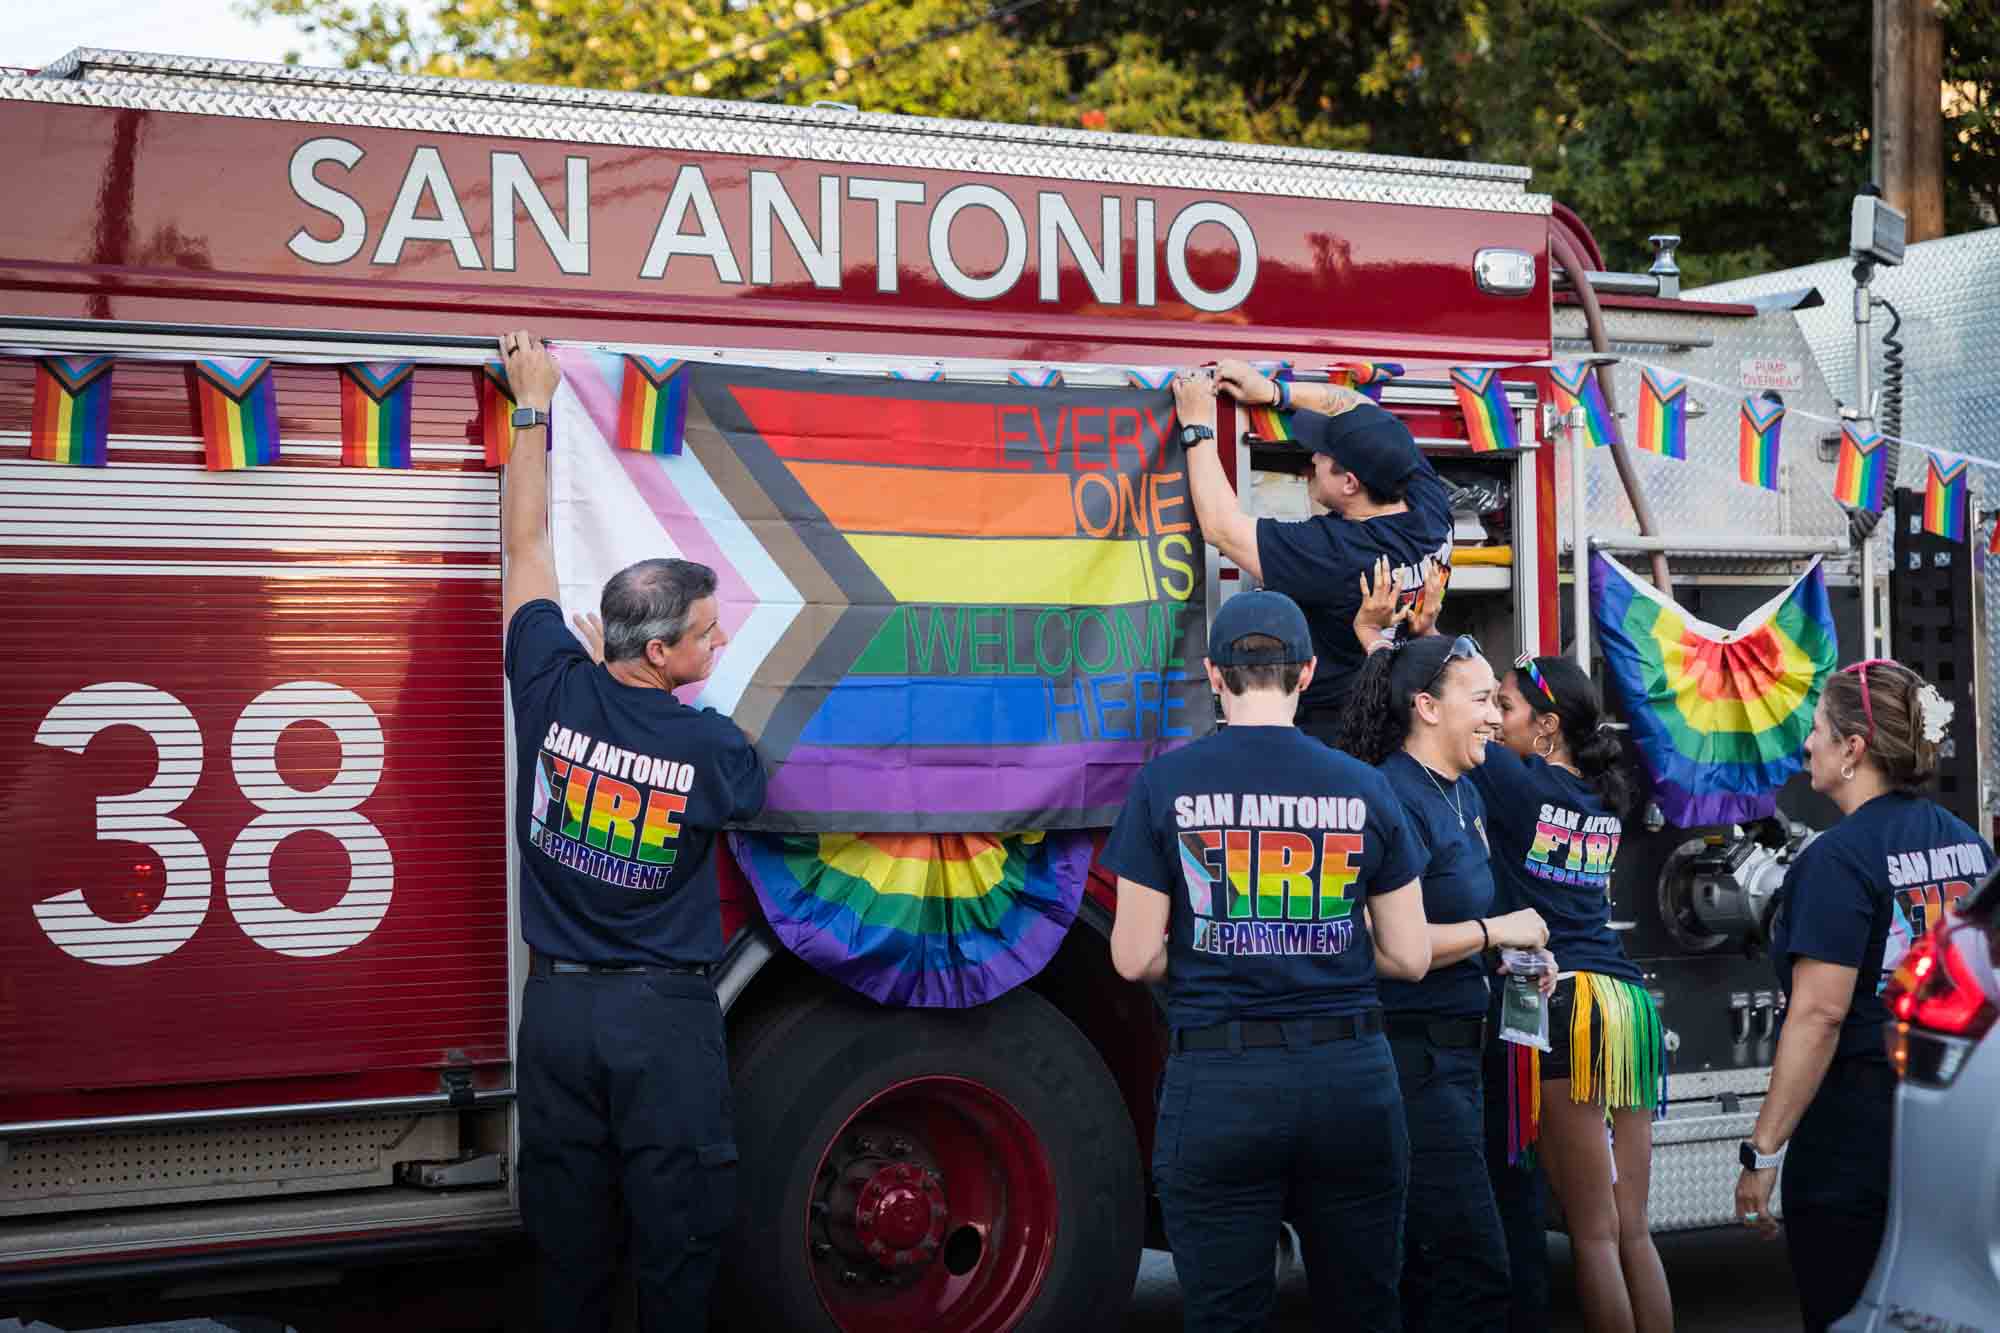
235, 401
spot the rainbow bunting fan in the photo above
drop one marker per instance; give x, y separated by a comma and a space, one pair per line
919, 920
1576, 386
1719, 717
496, 409
238, 406
1482, 396
1861, 476
1759, 424
1945, 499
375, 413
72, 410
1663, 401
653, 404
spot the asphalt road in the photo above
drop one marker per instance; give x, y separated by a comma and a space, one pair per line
1723, 1282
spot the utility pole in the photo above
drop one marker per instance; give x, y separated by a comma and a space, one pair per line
1908, 135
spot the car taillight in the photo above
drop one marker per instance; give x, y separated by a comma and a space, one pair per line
1933, 994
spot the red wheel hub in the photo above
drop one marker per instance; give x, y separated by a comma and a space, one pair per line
933, 1207
900, 1215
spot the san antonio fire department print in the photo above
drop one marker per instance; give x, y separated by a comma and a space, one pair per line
1271, 874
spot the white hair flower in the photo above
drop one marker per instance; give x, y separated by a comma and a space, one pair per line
1935, 712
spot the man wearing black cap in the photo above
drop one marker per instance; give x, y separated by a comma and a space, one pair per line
1268, 879
1383, 498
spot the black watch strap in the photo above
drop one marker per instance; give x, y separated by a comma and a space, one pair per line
1191, 435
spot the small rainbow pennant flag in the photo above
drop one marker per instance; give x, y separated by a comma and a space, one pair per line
1663, 425
1759, 423
921, 376
1365, 377
238, 405
1482, 396
1036, 379
1149, 377
1945, 488
496, 407
375, 413
1993, 542
1576, 386
1861, 477
653, 405
1270, 425
72, 415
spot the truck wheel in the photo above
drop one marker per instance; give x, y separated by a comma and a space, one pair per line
920, 1169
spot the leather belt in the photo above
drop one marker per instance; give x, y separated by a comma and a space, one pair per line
540, 966
1267, 1032
1455, 1032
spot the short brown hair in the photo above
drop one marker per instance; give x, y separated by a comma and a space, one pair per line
1896, 740
1280, 676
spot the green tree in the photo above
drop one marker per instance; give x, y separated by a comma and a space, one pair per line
1741, 124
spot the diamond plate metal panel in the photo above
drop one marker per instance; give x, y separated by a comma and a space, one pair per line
64, 1173
1944, 291
1704, 496
1694, 1171
461, 106
1710, 1084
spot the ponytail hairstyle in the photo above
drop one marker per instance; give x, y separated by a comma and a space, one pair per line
1882, 702
1377, 717
1564, 689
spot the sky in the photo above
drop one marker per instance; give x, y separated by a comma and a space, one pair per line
35, 32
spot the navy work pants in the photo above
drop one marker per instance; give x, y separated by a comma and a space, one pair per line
1240, 1133
1835, 1187
1454, 1254
624, 1101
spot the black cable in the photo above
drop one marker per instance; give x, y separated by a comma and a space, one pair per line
922, 39
1889, 410
775, 35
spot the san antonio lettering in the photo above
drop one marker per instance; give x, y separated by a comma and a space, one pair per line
587, 816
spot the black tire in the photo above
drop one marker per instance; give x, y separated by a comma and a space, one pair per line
806, 1065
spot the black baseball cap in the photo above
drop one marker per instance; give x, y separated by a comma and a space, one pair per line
1259, 612
1366, 439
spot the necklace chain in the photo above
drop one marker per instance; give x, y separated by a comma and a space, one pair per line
1456, 798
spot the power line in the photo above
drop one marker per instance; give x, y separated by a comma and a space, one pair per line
775, 35
922, 39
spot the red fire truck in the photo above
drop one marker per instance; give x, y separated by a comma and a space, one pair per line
259, 966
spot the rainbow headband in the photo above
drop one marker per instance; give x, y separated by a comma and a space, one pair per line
1526, 663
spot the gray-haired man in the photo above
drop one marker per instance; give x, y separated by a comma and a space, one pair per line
624, 1089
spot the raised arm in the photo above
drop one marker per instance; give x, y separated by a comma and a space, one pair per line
528, 566
1223, 523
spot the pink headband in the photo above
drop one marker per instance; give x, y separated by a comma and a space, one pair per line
1861, 670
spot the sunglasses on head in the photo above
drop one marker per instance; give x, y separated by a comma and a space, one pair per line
1463, 648
1525, 664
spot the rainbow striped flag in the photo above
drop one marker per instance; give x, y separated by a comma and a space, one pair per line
1663, 426
653, 404
1759, 424
919, 920
496, 408
1576, 386
72, 413
1719, 716
375, 413
1945, 488
1269, 425
1861, 476
1035, 379
1366, 377
1489, 422
1993, 541
238, 406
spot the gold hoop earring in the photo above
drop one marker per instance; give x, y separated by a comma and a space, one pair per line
1550, 751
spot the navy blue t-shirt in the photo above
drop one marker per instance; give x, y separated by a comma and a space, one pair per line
1318, 562
1860, 892
621, 790
1448, 820
1267, 843
1554, 847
